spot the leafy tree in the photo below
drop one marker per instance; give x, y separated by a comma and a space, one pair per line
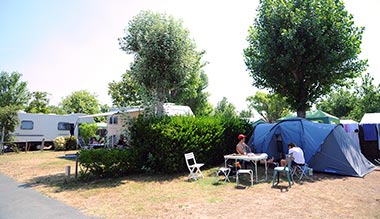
87, 130
39, 103
353, 103
300, 49
270, 106
339, 103
126, 92
8, 121
199, 103
166, 65
56, 109
13, 91
245, 114
81, 102
224, 108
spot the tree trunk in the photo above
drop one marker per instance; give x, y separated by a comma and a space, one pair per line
301, 113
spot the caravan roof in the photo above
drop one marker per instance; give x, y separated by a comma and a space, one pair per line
370, 118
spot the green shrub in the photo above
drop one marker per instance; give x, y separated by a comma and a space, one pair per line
160, 142
102, 163
59, 143
71, 142
87, 130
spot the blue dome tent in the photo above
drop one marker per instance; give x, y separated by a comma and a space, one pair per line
327, 147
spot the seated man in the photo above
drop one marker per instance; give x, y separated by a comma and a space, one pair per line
298, 156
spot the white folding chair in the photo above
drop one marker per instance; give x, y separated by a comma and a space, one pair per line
193, 166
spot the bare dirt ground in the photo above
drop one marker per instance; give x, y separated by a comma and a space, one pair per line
147, 196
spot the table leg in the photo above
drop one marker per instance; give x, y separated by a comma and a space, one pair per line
266, 170
256, 171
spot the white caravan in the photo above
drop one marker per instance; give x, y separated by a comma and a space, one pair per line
117, 118
35, 128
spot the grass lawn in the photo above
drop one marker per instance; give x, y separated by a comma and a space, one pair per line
172, 196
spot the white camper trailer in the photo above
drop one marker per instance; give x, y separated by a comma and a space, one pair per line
36, 128
117, 118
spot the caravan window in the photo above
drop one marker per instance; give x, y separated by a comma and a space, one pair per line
64, 125
26, 124
113, 120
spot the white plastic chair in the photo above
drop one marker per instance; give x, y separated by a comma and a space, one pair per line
193, 166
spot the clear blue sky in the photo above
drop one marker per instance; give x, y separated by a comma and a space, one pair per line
65, 46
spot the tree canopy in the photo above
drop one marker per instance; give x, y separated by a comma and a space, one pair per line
39, 103
353, 103
270, 106
81, 102
166, 66
301, 49
13, 91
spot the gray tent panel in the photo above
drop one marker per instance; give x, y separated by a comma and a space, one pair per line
340, 155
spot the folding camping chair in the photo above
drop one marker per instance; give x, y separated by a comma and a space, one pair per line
300, 171
193, 166
82, 144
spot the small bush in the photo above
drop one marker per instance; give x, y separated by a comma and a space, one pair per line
71, 142
59, 143
102, 163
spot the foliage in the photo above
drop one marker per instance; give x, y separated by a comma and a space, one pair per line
224, 108
60, 143
353, 104
160, 143
102, 163
166, 67
56, 110
270, 106
39, 103
13, 91
8, 120
126, 92
87, 130
71, 143
339, 103
81, 102
300, 49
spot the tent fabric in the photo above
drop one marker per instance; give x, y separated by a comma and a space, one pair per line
317, 116
352, 129
370, 133
370, 123
327, 148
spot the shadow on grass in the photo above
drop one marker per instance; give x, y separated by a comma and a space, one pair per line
60, 183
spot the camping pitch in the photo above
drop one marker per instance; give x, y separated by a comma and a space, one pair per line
327, 147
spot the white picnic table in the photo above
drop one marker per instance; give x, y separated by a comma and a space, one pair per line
254, 158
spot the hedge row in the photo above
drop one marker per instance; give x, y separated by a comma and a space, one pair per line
159, 145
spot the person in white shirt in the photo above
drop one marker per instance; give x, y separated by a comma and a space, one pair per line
298, 156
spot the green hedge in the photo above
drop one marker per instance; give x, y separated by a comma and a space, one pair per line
106, 163
159, 145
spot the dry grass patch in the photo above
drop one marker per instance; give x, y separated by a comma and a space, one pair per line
147, 196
